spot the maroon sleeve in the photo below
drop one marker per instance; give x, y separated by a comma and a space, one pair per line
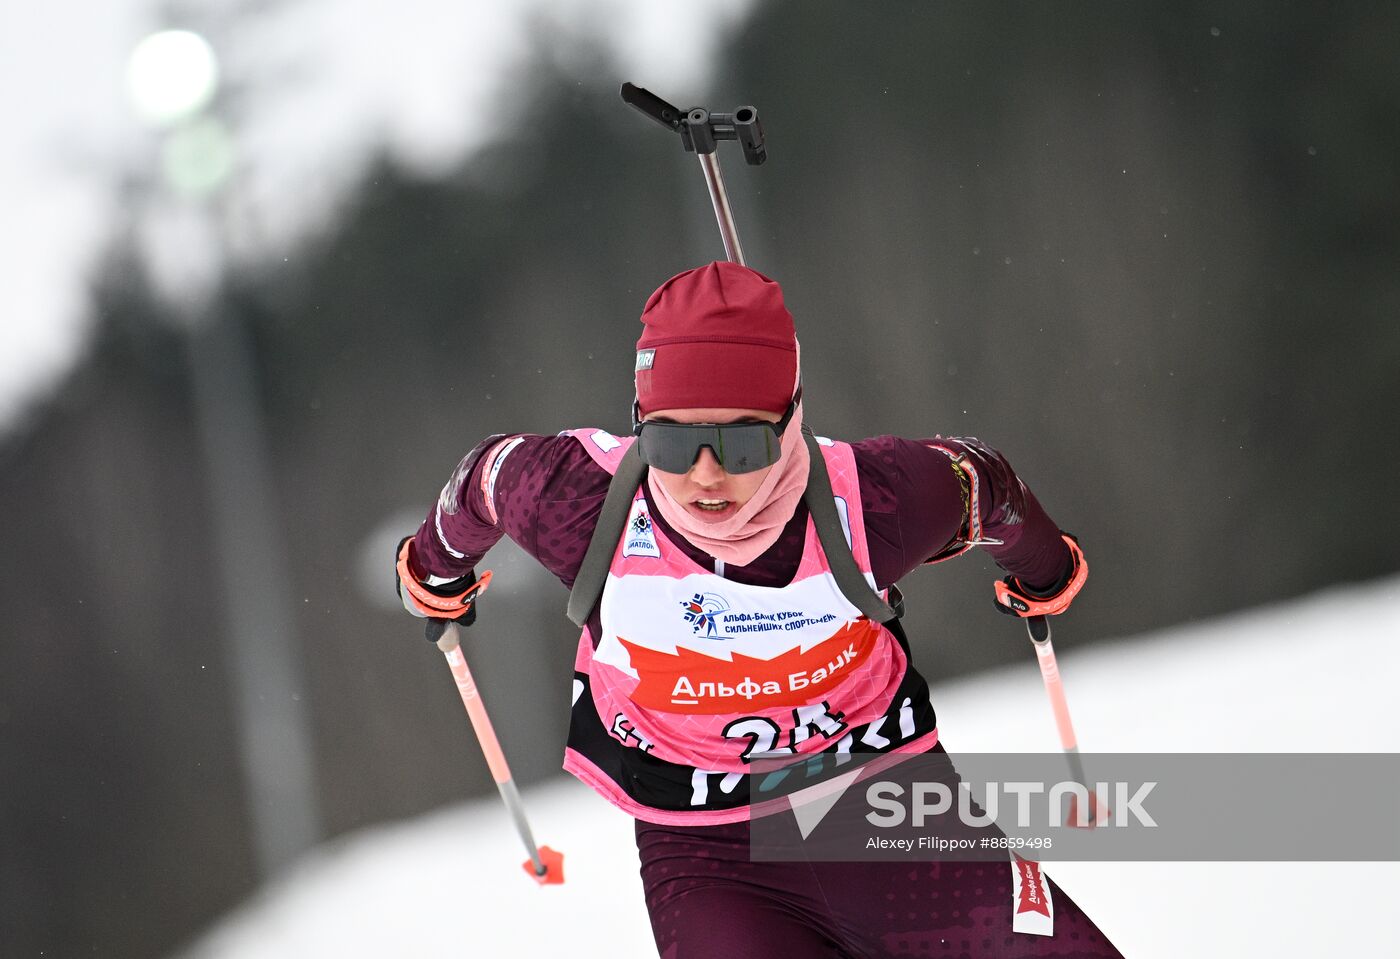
916, 505
1030, 546
544, 492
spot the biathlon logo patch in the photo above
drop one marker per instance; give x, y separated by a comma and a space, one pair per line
1033, 912
640, 534
645, 358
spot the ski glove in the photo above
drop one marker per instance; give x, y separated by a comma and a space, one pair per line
1015, 599
455, 600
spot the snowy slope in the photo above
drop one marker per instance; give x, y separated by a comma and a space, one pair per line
1313, 675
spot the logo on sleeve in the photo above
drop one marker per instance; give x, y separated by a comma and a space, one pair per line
447, 499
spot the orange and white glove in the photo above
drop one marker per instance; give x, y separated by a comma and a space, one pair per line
455, 600
1015, 599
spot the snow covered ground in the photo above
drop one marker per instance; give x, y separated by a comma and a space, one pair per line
1317, 674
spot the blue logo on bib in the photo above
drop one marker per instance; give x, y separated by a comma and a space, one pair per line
700, 613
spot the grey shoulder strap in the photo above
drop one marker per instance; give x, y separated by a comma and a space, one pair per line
821, 503
593, 571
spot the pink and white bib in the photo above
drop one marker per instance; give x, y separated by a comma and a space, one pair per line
692, 676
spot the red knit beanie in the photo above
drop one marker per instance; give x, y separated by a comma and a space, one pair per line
717, 336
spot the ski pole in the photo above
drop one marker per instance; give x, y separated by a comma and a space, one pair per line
700, 132
1039, 629
545, 865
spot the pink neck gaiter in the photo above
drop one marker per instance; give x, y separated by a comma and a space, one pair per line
740, 539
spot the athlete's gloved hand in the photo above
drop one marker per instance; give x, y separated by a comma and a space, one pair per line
455, 600
1015, 599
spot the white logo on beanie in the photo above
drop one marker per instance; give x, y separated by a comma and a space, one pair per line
645, 358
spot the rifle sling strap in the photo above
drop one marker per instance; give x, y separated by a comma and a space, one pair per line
821, 503
593, 572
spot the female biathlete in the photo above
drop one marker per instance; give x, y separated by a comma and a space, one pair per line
726, 630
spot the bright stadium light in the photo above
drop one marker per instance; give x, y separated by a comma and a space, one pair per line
170, 76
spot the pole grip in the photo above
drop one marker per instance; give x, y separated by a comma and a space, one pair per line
438, 634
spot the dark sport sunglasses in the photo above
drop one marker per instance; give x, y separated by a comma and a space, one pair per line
739, 447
